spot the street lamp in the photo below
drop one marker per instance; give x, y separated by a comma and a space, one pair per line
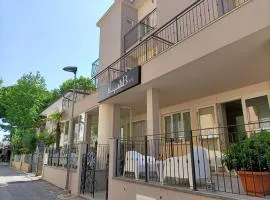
72, 69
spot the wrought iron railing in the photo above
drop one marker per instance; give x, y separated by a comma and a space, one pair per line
190, 21
79, 94
94, 176
59, 157
140, 30
203, 162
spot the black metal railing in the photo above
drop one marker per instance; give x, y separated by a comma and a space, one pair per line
141, 29
59, 157
94, 177
202, 160
190, 21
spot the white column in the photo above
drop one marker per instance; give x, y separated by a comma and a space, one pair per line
87, 128
153, 117
81, 150
108, 122
152, 112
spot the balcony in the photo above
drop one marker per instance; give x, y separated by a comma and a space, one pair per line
141, 30
79, 95
95, 67
190, 21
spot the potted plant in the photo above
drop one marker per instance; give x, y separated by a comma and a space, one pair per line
250, 158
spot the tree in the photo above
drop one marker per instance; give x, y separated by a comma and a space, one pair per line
56, 117
2, 95
24, 141
20, 106
82, 83
47, 138
24, 101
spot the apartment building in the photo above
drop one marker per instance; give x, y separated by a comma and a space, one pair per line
177, 82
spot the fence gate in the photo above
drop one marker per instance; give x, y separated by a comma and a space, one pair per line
94, 177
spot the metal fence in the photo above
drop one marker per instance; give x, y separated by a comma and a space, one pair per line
200, 159
79, 94
95, 67
141, 29
94, 177
59, 157
190, 21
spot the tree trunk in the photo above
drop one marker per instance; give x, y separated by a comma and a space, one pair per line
58, 134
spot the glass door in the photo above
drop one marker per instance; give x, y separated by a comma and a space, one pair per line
177, 126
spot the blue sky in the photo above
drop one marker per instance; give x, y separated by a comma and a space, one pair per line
46, 35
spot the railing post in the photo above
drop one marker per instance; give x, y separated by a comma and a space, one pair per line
177, 36
146, 50
58, 161
193, 170
145, 159
116, 156
52, 157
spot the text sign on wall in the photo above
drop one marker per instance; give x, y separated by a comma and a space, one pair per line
126, 81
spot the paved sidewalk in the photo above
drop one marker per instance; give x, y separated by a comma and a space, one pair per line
20, 186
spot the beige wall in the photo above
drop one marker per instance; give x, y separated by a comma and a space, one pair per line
82, 106
57, 176
113, 26
110, 33
16, 165
166, 11
21, 165
243, 93
122, 190
145, 8
242, 22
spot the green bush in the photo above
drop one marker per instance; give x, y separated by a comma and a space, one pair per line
251, 154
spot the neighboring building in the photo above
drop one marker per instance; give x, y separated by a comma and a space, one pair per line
5, 151
169, 71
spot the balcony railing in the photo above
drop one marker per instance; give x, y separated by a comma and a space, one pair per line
141, 29
59, 157
190, 21
79, 94
95, 67
204, 162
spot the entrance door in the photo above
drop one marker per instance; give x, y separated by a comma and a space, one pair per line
233, 119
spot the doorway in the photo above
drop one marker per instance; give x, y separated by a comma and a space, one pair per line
233, 119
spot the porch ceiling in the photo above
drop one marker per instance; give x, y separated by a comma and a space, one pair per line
242, 63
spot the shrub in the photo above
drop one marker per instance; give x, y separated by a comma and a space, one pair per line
251, 154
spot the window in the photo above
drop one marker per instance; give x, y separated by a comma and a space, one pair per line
207, 120
139, 129
177, 126
225, 6
258, 112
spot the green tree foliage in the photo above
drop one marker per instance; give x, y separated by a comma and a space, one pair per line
82, 83
24, 101
56, 117
21, 104
24, 141
47, 138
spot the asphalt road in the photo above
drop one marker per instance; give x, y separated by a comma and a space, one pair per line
20, 186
